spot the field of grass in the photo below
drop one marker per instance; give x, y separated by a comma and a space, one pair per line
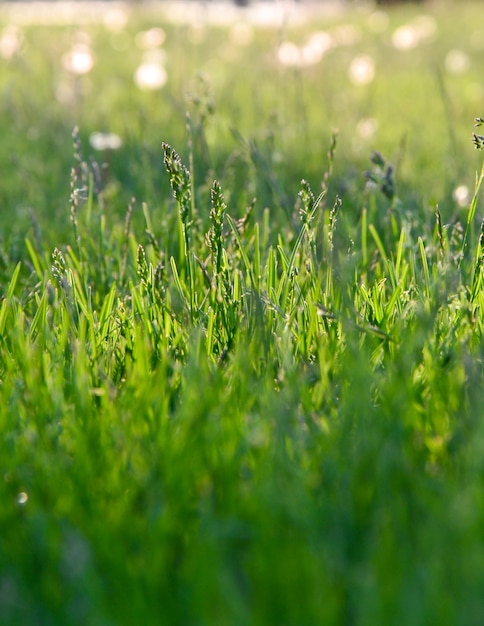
241, 321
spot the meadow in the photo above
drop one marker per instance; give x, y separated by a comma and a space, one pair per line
241, 317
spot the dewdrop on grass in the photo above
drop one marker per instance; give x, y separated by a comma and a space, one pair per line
22, 498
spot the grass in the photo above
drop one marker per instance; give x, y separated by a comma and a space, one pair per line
220, 410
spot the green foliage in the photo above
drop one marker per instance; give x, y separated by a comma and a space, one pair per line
217, 410
297, 421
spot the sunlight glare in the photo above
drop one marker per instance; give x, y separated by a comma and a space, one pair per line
407, 37
79, 59
116, 19
362, 69
457, 62
105, 141
288, 54
152, 38
346, 35
241, 34
150, 76
461, 195
367, 127
10, 41
378, 21
320, 42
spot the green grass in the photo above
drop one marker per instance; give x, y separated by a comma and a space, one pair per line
218, 410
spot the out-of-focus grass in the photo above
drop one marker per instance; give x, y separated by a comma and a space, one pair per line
247, 108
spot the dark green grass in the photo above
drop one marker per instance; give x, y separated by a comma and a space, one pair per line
214, 411
230, 430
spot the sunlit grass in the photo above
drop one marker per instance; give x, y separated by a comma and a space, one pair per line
241, 352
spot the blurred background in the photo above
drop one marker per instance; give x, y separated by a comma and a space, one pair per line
266, 86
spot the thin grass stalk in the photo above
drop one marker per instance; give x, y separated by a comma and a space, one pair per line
472, 212
245, 258
425, 267
74, 206
215, 234
181, 184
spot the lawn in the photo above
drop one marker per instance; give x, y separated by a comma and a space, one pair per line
241, 319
